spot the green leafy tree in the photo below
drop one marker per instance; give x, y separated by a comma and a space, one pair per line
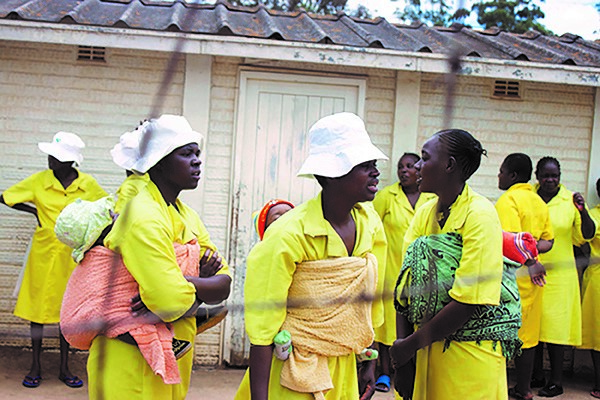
516, 16
434, 12
313, 6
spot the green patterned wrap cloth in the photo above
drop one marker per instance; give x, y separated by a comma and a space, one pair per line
431, 262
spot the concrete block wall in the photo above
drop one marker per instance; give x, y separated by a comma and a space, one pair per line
548, 120
44, 89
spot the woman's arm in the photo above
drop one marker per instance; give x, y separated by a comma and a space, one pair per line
260, 369
23, 207
588, 227
212, 290
447, 321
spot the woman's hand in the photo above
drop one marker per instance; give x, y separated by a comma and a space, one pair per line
537, 272
579, 201
210, 265
366, 375
401, 352
139, 310
404, 380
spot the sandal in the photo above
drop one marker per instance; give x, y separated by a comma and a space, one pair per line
71, 381
31, 381
382, 384
512, 392
595, 392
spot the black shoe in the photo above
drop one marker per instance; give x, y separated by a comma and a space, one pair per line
207, 317
512, 392
551, 390
537, 383
181, 347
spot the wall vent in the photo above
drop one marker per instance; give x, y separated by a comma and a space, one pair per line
91, 53
507, 89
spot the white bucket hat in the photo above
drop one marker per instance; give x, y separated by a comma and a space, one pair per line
65, 146
126, 152
159, 137
338, 143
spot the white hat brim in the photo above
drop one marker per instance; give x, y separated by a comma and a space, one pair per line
60, 153
335, 165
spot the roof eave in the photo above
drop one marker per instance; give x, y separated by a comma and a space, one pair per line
293, 51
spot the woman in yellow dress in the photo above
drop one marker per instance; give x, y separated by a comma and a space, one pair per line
465, 369
49, 264
144, 234
561, 304
396, 205
299, 254
590, 305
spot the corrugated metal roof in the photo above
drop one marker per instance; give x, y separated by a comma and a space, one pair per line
260, 22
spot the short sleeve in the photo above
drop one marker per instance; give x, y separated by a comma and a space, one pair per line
22, 192
479, 275
508, 213
270, 267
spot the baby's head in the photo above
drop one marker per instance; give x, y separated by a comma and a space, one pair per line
269, 214
83, 224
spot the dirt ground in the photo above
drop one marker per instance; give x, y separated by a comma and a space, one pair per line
207, 383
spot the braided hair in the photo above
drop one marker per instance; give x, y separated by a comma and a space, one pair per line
546, 160
464, 148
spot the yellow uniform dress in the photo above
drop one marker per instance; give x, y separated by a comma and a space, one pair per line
466, 370
590, 306
144, 235
561, 301
521, 210
129, 188
300, 235
395, 212
49, 265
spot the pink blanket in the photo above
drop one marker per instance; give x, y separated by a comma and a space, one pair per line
97, 302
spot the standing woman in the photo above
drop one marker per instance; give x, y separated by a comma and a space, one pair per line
315, 273
49, 264
144, 234
472, 369
561, 307
396, 205
590, 303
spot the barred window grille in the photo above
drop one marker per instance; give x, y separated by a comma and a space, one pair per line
91, 53
507, 89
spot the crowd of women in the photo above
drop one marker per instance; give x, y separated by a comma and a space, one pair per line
421, 271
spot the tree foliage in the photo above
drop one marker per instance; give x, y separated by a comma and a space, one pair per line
435, 12
516, 16
313, 6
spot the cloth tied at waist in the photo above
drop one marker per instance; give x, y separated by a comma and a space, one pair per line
328, 315
97, 301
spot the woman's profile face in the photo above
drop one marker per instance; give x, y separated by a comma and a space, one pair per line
432, 166
549, 177
182, 166
407, 173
